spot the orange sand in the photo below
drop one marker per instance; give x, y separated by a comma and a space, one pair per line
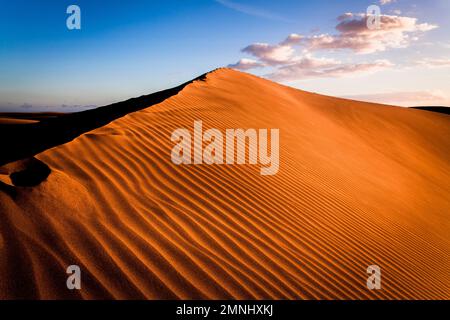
358, 184
16, 121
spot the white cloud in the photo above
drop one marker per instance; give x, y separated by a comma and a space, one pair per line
292, 39
383, 2
246, 64
293, 57
271, 55
434, 62
310, 67
353, 34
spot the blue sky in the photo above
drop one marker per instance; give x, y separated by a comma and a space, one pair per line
129, 48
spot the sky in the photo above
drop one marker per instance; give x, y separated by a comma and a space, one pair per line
126, 49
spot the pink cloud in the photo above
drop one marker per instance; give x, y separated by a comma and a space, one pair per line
309, 67
269, 54
434, 62
352, 34
246, 64
292, 39
394, 32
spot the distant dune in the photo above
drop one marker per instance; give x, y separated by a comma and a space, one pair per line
15, 121
18, 118
358, 184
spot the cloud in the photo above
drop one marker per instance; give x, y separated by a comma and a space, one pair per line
36, 107
407, 99
252, 11
291, 67
433, 62
310, 67
292, 39
26, 106
77, 106
353, 34
293, 58
246, 64
271, 55
384, 2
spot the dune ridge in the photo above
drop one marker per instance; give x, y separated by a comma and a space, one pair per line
359, 184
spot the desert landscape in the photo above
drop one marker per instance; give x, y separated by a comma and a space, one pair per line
358, 184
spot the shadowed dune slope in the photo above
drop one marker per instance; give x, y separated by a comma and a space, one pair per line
24, 134
359, 184
444, 110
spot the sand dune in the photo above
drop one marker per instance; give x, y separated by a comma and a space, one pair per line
12, 121
358, 184
26, 117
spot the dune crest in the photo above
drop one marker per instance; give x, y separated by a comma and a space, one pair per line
358, 184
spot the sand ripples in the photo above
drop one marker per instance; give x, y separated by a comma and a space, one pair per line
357, 186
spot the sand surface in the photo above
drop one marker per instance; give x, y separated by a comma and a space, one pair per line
358, 184
16, 121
